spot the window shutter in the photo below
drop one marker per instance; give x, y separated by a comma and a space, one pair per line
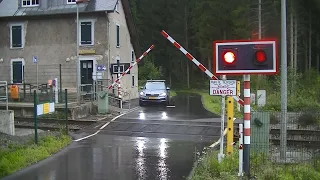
118, 36
16, 36
86, 33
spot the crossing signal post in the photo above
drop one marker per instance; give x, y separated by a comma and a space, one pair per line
242, 57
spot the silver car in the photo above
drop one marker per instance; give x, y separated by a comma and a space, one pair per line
154, 91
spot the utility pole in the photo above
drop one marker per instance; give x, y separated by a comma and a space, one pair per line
259, 17
78, 61
78, 81
283, 134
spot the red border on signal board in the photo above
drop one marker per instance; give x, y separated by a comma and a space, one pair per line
231, 72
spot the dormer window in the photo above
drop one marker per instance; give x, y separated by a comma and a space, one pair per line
117, 7
30, 3
71, 1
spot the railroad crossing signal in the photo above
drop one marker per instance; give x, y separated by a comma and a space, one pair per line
245, 57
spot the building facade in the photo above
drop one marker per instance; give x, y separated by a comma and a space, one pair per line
38, 42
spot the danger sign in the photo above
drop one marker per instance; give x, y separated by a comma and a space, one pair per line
223, 87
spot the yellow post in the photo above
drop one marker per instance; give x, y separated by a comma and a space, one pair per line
230, 116
238, 94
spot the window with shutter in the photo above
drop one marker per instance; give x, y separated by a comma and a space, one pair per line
86, 33
16, 36
132, 56
118, 36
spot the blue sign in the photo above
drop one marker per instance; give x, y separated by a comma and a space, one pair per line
34, 59
101, 67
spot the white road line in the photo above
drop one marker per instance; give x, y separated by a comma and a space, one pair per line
218, 142
80, 139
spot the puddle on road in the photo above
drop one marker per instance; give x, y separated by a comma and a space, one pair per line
164, 159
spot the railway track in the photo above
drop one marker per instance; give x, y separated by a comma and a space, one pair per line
52, 124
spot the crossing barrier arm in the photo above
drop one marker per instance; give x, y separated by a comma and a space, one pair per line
195, 61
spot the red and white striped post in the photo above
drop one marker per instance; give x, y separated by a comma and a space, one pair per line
119, 87
195, 61
135, 63
240, 150
246, 122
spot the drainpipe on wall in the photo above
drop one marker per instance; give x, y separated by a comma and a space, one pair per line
108, 63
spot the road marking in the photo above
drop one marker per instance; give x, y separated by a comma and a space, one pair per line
106, 124
218, 142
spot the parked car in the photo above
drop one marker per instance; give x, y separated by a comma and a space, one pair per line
154, 91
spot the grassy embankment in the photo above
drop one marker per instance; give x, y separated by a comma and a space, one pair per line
208, 168
16, 157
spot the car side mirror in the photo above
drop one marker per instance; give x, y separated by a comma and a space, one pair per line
168, 88
141, 87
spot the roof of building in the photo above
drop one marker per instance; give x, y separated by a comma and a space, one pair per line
10, 8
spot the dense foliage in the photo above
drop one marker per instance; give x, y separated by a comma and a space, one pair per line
195, 24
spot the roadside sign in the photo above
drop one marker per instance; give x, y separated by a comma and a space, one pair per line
35, 59
96, 76
45, 108
223, 87
101, 67
261, 98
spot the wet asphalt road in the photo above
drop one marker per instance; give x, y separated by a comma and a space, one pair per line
148, 144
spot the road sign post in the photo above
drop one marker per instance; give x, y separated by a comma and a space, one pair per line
223, 88
240, 150
39, 110
35, 60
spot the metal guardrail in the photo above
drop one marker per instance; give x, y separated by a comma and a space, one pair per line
5, 98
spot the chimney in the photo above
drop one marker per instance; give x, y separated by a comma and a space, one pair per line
44, 4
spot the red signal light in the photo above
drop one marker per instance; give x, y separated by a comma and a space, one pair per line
229, 57
261, 56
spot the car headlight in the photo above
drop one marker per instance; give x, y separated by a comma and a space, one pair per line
163, 94
141, 93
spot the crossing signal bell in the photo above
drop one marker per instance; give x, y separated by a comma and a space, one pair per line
245, 57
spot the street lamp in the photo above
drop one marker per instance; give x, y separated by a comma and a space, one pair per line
78, 43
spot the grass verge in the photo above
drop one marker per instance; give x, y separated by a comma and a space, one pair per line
17, 157
208, 168
211, 103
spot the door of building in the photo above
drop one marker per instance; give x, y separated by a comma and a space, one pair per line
86, 75
17, 72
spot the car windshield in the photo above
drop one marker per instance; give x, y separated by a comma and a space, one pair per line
155, 86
